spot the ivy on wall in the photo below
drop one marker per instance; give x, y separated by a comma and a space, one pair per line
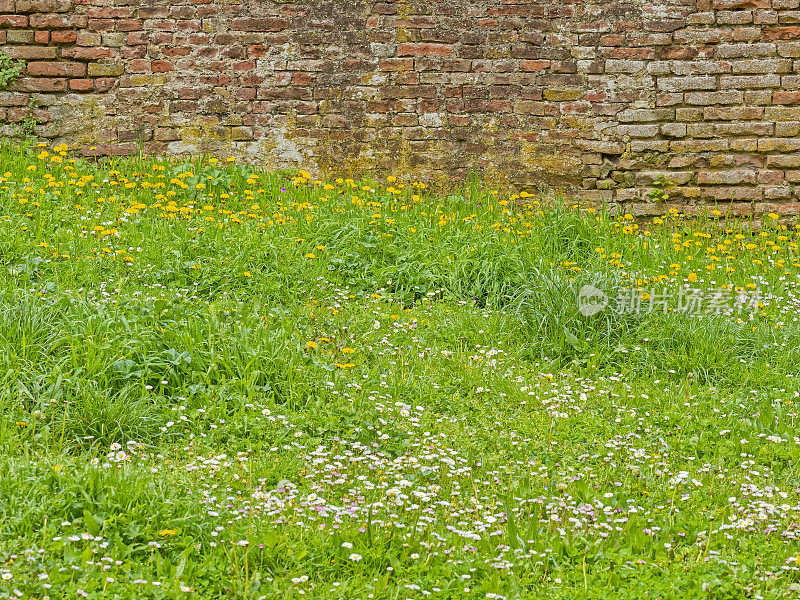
10, 70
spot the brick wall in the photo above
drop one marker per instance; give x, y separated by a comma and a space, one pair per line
599, 98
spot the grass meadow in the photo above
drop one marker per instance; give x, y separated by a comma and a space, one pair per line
222, 382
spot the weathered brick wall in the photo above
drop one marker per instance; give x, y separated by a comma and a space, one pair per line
597, 96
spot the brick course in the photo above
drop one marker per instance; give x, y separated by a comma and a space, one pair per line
600, 99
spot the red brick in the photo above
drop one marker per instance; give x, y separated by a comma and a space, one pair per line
55, 21
726, 177
43, 6
256, 24
284, 93
14, 99
110, 150
188, 25
13, 21
80, 53
396, 64
178, 51
733, 113
110, 12
258, 51
784, 208
302, 79
245, 65
31, 52
137, 38
139, 65
480, 105
404, 78
129, 25
64, 37
384, 8
41, 37
532, 66
162, 66
770, 177
424, 49
56, 69
167, 135
153, 12
31, 84
633, 53
81, 85
382, 106
786, 98
771, 34
103, 84
741, 4
101, 24
16, 115
251, 80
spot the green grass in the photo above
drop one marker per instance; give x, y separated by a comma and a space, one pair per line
272, 389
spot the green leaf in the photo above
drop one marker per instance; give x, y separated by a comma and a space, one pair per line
92, 524
513, 531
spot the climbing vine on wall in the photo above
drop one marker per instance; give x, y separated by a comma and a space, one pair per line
10, 70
